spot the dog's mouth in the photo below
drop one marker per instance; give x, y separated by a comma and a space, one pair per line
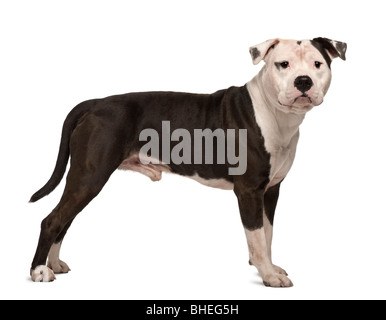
303, 99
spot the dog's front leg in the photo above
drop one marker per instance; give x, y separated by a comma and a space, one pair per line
251, 204
258, 256
270, 201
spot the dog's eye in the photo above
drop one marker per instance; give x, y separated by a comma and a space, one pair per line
318, 64
284, 64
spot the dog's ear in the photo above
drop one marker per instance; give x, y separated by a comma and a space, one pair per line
334, 48
260, 51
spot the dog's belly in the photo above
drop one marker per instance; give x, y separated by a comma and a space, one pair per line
154, 172
214, 183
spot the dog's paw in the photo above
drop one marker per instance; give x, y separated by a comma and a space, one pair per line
42, 274
277, 281
58, 266
279, 270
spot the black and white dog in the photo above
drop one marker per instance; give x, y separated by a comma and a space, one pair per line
250, 135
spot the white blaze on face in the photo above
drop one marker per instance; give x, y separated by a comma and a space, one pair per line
289, 60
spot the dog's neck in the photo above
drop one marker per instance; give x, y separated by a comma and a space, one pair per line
276, 125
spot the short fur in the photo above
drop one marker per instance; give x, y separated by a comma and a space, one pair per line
102, 135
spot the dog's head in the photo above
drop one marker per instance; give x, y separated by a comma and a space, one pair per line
297, 74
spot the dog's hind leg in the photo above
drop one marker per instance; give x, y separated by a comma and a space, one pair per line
77, 195
92, 163
53, 262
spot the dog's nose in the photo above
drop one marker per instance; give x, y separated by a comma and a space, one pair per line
303, 83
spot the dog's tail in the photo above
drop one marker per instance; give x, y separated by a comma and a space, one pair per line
64, 151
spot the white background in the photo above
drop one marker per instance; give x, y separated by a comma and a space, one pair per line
176, 239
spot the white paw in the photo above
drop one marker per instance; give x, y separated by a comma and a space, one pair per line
42, 274
277, 281
58, 266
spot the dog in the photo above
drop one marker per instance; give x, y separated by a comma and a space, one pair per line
255, 127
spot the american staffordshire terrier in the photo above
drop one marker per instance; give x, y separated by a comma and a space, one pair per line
255, 128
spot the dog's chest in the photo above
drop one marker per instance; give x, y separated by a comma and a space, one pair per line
281, 134
282, 155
